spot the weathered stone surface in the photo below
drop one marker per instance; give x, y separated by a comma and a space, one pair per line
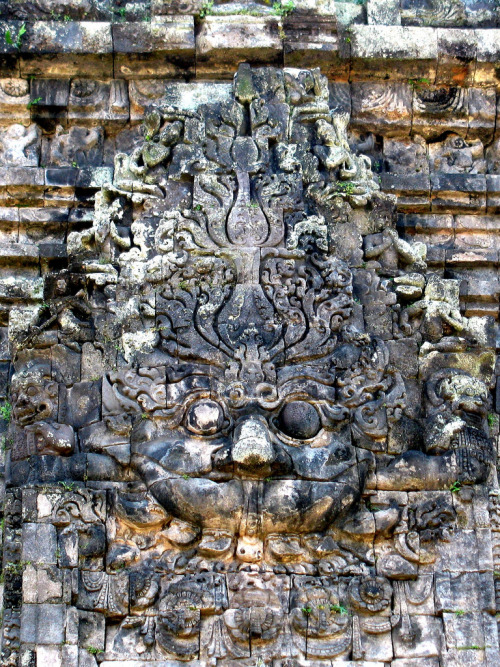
167, 393
224, 41
250, 417
163, 47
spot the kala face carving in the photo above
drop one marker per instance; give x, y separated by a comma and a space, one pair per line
255, 397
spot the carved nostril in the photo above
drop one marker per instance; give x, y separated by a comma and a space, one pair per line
253, 447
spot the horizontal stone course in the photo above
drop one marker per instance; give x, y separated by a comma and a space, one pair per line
444, 55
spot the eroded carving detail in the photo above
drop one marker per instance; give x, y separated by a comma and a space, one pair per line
264, 477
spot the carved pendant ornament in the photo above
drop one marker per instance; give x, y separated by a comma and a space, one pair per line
263, 405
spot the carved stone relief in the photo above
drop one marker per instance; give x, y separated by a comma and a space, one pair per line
256, 402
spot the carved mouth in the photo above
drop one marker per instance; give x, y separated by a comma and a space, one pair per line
26, 417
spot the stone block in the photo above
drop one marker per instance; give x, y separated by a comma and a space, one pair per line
42, 584
39, 544
404, 356
440, 110
68, 548
471, 258
464, 631
163, 47
456, 56
75, 147
83, 49
381, 107
21, 185
223, 41
493, 193
43, 224
15, 289
91, 630
14, 98
312, 41
383, 12
43, 624
74, 37
412, 190
50, 92
80, 404
458, 192
97, 102
463, 593
401, 53
428, 638
69, 656
415, 662
482, 113
487, 56
49, 656
176, 6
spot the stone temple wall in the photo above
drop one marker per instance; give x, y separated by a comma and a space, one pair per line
248, 331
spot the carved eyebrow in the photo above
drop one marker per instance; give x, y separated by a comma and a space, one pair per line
179, 392
309, 385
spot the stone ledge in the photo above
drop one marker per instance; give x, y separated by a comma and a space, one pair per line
50, 37
165, 46
224, 41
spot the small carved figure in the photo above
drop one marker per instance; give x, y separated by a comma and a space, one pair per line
459, 451
456, 156
35, 401
386, 251
20, 146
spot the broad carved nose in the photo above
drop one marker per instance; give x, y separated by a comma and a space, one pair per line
252, 445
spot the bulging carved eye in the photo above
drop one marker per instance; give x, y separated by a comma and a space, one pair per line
299, 419
204, 418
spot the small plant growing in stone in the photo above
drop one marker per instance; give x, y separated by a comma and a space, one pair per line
16, 568
34, 102
347, 188
6, 411
93, 650
283, 9
206, 9
492, 419
459, 612
415, 83
339, 609
372, 508
18, 41
67, 486
74, 164
455, 487
306, 610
